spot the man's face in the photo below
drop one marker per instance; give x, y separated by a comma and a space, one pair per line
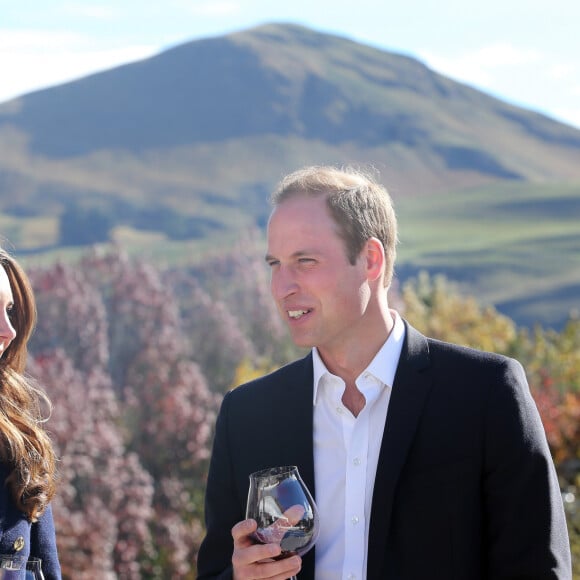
320, 295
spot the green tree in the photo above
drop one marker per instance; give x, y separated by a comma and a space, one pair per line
80, 226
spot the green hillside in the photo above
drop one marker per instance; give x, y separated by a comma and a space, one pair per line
516, 246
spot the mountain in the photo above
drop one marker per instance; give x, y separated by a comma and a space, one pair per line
186, 145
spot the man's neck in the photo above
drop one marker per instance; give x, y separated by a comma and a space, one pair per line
349, 361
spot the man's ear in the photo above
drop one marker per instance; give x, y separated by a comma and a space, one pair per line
375, 257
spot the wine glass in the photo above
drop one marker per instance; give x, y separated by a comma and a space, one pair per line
284, 510
14, 566
34, 569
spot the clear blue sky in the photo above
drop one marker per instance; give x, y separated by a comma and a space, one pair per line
524, 51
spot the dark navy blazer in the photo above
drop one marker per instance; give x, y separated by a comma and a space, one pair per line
465, 486
19, 538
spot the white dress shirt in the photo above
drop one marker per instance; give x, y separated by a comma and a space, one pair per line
346, 453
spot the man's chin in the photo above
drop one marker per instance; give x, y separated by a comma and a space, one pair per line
302, 341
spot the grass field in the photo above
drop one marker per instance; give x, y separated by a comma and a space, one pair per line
515, 246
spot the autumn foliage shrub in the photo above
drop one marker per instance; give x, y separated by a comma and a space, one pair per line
132, 418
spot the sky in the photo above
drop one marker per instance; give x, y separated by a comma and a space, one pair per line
526, 52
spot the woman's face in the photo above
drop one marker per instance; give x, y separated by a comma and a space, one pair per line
7, 332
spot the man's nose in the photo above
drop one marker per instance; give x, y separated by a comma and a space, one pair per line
283, 283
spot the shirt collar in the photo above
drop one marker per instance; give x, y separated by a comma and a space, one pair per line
384, 364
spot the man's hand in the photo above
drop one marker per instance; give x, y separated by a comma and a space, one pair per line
252, 561
285, 523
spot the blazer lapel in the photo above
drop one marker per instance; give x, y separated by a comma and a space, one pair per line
289, 414
410, 389
286, 412
302, 437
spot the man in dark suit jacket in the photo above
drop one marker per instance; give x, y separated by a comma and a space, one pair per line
458, 481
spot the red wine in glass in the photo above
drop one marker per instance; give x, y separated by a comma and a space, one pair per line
284, 510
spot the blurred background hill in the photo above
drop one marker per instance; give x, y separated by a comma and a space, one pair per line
174, 156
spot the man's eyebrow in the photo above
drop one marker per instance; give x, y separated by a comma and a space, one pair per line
297, 254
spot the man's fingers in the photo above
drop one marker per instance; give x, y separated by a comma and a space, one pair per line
285, 523
254, 554
242, 531
244, 544
294, 514
271, 569
252, 560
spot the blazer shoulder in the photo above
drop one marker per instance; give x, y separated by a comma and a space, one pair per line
14, 527
436, 353
296, 373
43, 544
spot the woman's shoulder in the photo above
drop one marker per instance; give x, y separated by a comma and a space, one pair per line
10, 515
14, 526
5, 470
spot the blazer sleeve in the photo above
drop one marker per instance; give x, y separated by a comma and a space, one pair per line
248, 437
526, 524
222, 509
43, 545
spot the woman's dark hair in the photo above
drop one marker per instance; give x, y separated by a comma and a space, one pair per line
25, 447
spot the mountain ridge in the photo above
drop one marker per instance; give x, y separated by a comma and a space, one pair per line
185, 145
274, 79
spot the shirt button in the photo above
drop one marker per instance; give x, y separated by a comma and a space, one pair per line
356, 461
351, 576
354, 520
339, 410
